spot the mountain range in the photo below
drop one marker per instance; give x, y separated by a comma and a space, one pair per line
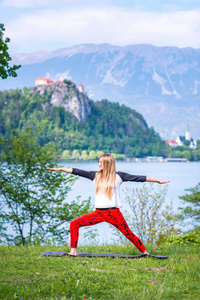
161, 83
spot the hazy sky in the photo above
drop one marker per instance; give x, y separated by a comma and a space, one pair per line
35, 25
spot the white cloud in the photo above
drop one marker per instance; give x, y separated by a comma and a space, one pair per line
40, 3
153, 5
53, 29
26, 3
22, 3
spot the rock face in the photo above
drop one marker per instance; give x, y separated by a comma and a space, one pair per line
67, 96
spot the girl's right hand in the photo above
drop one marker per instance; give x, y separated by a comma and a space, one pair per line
54, 169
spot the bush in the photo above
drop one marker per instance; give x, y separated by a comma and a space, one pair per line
188, 238
152, 222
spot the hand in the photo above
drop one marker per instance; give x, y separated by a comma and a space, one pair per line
156, 180
54, 169
163, 181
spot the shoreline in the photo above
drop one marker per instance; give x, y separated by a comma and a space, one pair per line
135, 159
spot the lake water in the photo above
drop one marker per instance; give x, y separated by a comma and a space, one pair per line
181, 175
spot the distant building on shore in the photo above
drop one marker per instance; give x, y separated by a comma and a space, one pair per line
176, 160
172, 143
180, 141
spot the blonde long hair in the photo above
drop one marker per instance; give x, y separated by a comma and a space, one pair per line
105, 178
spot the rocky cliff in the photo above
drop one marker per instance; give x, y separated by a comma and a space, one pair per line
67, 96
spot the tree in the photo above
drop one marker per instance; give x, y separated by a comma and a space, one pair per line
192, 211
187, 155
99, 153
75, 155
84, 155
34, 200
196, 155
92, 155
186, 143
66, 154
5, 69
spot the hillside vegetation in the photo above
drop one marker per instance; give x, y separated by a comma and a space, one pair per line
108, 126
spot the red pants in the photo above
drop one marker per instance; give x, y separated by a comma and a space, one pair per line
113, 217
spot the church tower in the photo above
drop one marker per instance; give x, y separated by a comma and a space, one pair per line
81, 88
187, 134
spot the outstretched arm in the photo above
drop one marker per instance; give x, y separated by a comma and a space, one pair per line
156, 180
87, 174
68, 170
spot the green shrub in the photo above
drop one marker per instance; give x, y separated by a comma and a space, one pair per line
188, 238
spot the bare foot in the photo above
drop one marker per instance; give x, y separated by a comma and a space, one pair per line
145, 252
73, 252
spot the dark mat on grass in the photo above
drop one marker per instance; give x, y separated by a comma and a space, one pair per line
84, 254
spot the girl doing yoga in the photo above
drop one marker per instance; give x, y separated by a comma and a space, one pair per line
107, 201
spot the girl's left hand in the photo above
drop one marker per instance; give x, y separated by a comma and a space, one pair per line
163, 181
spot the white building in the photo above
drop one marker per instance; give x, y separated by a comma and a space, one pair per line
172, 143
180, 140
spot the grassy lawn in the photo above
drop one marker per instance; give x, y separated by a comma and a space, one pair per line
25, 274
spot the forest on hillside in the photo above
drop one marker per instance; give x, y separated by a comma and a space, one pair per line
110, 127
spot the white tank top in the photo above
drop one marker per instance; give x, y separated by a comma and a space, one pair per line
102, 200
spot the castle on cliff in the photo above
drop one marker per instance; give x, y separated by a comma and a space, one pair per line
47, 81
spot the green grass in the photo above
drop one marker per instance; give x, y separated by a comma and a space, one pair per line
25, 274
